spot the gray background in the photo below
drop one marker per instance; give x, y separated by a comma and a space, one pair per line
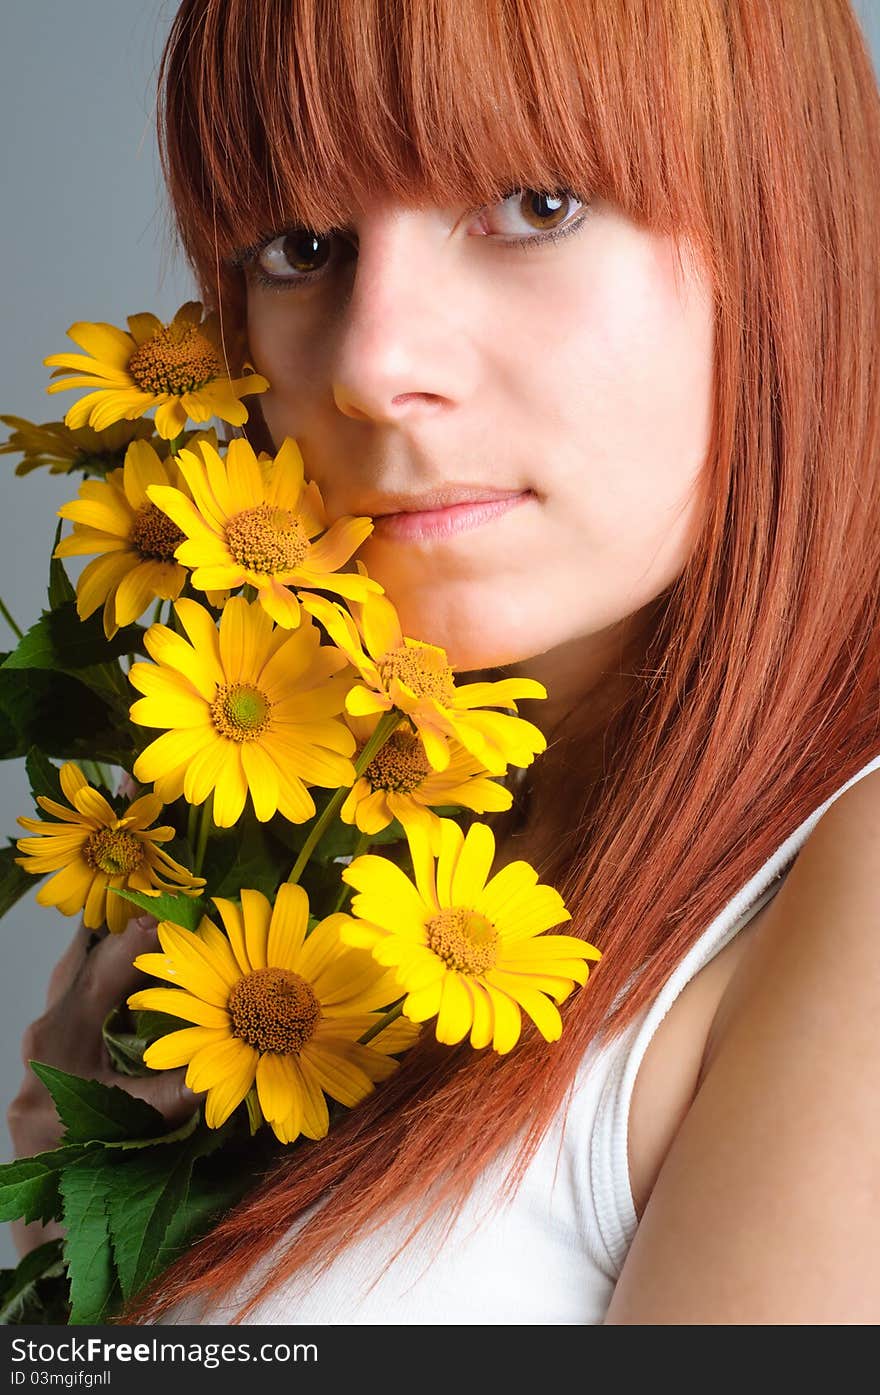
84, 235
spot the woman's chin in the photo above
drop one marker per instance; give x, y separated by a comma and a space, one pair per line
470, 644
482, 623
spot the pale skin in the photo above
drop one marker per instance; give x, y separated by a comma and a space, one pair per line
427, 353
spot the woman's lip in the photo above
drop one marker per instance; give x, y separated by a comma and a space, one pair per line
443, 523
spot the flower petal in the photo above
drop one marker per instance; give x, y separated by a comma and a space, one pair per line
178, 1048
507, 1020
277, 1085
142, 584
256, 913
142, 468
543, 1012
230, 790
180, 1004
233, 924
338, 1069
381, 626
383, 881
200, 970
198, 667
315, 1115
287, 927
261, 775
473, 865
456, 1014
338, 544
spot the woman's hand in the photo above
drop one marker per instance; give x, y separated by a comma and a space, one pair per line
83, 988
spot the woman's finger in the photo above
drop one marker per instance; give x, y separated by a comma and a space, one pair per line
65, 972
166, 1092
107, 974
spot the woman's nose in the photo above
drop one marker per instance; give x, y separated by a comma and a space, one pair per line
403, 350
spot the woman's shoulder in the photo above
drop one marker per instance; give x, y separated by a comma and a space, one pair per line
827, 913
754, 1120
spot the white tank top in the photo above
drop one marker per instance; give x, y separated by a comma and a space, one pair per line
553, 1253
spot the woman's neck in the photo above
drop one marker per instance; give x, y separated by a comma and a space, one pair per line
585, 679
587, 682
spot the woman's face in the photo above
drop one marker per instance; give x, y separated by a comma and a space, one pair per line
525, 420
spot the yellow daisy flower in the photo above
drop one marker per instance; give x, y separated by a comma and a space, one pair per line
178, 368
274, 1005
257, 522
417, 679
467, 950
249, 709
135, 540
93, 852
400, 782
53, 444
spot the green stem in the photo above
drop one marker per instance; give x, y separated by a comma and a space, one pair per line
186, 1128
383, 1022
387, 723
157, 612
9, 620
175, 443
206, 823
256, 1117
191, 818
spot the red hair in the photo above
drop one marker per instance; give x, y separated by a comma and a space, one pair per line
752, 127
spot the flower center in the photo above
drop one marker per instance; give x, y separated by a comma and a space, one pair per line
154, 535
267, 540
422, 667
113, 850
240, 711
274, 1010
464, 940
177, 359
401, 765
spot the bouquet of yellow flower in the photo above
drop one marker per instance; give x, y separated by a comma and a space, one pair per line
273, 769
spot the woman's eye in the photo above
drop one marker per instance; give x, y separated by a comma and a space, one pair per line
294, 255
530, 211
302, 255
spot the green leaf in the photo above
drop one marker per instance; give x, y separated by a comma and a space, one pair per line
15, 882
146, 1195
44, 777
248, 857
180, 910
36, 1290
29, 1186
94, 1285
62, 717
339, 840
127, 1035
322, 882
125, 1048
152, 1025
92, 1111
60, 641
216, 1184
60, 587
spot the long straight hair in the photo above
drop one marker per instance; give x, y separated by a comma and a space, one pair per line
752, 128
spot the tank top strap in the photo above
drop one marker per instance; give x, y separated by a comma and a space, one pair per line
609, 1160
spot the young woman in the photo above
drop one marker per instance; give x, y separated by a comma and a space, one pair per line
580, 299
